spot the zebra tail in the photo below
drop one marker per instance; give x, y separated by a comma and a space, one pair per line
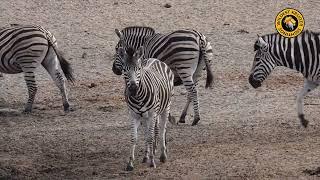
65, 65
207, 56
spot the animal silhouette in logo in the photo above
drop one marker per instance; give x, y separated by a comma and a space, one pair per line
290, 23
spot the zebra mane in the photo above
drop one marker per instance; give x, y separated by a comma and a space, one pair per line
308, 32
147, 31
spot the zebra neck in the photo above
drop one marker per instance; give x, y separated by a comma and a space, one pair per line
283, 53
287, 60
139, 41
143, 85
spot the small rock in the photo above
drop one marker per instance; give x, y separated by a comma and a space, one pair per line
115, 3
106, 108
92, 85
84, 55
226, 24
243, 31
94, 173
167, 5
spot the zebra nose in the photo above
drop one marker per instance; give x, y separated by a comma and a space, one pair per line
254, 83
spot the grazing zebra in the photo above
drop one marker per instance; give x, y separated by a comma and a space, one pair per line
186, 52
301, 53
148, 93
23, 48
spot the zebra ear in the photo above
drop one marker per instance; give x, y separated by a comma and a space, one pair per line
260, 44
119, 34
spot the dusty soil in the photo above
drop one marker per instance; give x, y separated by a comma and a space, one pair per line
243, 134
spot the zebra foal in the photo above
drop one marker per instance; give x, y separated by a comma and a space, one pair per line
148, 94
186, 52
23, 48
301, 53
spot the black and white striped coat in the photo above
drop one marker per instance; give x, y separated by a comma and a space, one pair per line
301, 53
148, 93
186, 52
23, 48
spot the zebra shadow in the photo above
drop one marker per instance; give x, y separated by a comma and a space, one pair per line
8, 112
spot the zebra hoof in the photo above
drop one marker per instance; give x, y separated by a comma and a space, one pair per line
303, 121
182, 120
152, 164
145, 160
129, 167
195, 122
66, 107
27, 110
163, 158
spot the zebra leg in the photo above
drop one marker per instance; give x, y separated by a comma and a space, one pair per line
308, 86
32, 89
156, 135
163, 125
134, 138
150, 139
147, 149
185, 110
52, 65
192, 96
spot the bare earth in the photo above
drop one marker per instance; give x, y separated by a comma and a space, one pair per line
243, 134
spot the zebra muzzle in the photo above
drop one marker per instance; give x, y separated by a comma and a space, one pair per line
254, 83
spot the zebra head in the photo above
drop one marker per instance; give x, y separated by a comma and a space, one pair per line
130, 37
131, 68
263, 63
117, 63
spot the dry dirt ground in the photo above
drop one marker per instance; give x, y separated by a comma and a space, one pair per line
243, 134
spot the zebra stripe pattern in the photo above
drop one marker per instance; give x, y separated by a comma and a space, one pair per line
301, 53
23, 48
186, 52
148, 93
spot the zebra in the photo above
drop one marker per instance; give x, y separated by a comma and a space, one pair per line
186, 52
148, 94
23, 48
301, 53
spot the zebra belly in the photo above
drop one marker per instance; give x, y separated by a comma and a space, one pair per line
11, 68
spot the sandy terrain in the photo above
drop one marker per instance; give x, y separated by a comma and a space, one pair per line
243, 134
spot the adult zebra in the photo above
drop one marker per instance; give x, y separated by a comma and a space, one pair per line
148, 93
301, 53
23, 48
186, 52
